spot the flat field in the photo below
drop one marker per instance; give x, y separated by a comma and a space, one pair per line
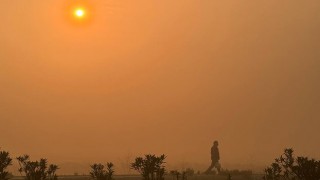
134, 177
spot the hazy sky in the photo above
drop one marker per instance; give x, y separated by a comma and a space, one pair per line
149, 76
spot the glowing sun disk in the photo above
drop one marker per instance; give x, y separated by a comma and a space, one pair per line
79, 13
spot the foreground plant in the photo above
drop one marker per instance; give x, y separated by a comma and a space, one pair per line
289, 167
5, 161
176, 174
98, 171
37, 170
151, 167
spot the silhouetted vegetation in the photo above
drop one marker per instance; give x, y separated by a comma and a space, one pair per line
247, 174
37, 170
289, 167
99, 172
176, 174
229, 177
212, 172
5, 161
189, 172
182, 175
151, 167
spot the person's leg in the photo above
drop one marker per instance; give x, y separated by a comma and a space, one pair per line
210, 168
218, 169
218, 166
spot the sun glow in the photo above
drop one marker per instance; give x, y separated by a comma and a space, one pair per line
79, 13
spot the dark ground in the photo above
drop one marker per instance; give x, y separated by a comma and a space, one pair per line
134, 177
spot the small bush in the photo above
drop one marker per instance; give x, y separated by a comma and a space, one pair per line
183, 175
37, 170
150, 167
98, 171
5, 161
176, 174
289, 167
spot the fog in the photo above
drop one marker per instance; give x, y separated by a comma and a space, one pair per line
160, 77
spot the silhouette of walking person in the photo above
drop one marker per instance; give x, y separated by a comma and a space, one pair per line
215, 157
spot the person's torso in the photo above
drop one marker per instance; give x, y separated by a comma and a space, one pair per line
214, 153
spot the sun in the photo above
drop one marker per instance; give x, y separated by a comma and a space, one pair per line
79, 12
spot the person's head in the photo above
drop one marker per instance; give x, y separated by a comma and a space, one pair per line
215, 143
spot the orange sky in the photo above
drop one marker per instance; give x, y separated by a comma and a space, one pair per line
160, 77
